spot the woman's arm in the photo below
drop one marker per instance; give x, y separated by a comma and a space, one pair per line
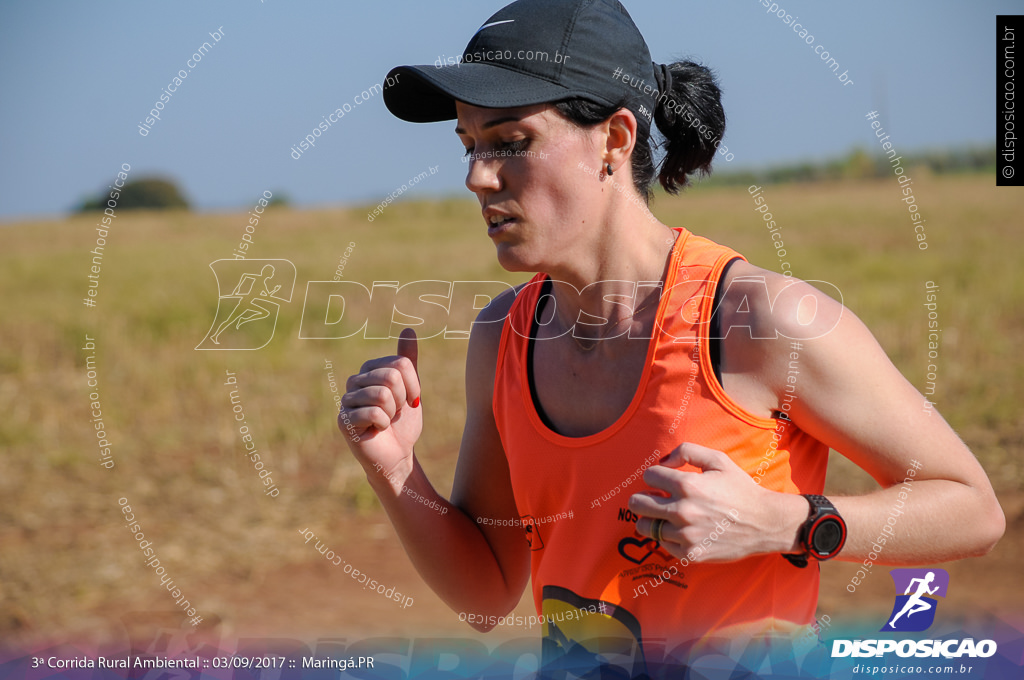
849, 396
476, 569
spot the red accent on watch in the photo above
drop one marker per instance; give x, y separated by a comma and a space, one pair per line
823, 533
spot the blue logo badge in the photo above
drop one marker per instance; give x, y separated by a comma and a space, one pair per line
914, 610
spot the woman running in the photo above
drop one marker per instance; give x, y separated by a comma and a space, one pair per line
649, 417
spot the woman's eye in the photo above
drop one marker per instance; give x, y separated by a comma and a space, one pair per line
503, 149
517, 145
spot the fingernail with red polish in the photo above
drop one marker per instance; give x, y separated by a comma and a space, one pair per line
416, 402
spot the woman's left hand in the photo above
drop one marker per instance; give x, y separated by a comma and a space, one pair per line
717, 515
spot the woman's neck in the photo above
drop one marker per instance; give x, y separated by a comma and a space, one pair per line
605, 288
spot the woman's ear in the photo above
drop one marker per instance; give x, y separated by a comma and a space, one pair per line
620, 138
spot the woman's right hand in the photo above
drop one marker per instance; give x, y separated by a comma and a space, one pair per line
381, 416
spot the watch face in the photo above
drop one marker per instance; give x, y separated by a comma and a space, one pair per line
827, 536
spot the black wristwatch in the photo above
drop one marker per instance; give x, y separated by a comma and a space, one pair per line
823, 533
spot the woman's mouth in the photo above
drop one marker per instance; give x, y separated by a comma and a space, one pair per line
499, 224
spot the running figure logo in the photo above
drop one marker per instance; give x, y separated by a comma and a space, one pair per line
257, 289
914, 611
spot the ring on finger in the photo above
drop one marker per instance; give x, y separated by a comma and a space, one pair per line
656, 527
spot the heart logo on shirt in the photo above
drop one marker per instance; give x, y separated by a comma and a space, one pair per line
637, 551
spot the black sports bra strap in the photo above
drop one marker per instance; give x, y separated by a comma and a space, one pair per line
715, 328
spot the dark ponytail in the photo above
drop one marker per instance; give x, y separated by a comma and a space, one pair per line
689, 115
692, 120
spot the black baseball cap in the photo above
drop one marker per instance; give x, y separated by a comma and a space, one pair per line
531, 52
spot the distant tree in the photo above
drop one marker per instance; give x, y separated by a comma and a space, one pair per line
858, 164
280, 200
153, 193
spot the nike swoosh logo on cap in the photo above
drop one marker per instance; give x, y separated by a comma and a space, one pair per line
496, 23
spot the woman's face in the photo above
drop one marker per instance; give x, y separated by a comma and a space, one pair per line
534, 173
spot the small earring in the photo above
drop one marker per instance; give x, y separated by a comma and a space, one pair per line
609, 166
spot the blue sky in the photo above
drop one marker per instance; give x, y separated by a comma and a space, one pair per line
77, 78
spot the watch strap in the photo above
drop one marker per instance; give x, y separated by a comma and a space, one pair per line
819, 505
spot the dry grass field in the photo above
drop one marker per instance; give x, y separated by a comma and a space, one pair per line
69, 569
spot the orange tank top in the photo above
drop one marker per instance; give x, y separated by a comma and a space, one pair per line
572, 492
